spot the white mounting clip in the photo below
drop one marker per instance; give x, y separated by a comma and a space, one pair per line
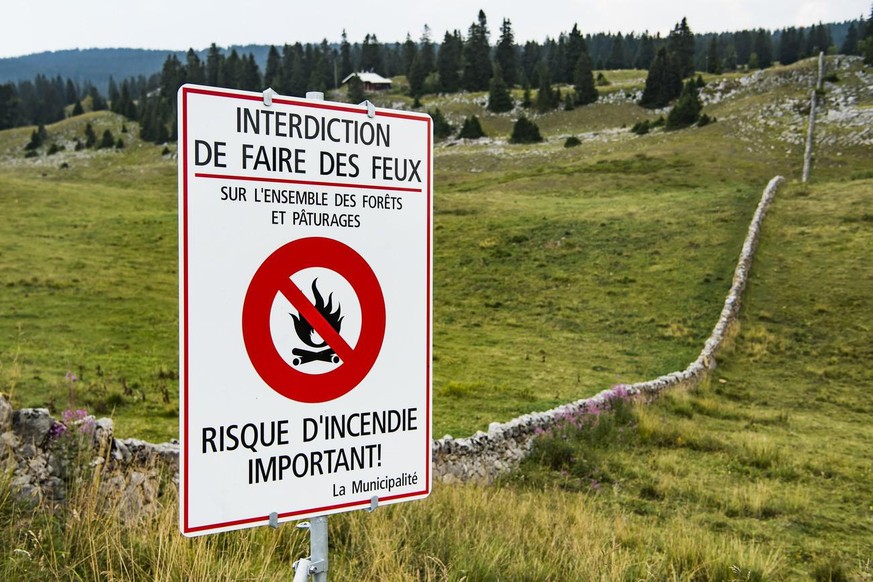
274, 520
268, 96
374, 503
371, 109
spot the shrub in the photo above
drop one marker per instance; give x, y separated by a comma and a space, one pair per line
641, 127
572, 142
525, 131
471, 129
441, 126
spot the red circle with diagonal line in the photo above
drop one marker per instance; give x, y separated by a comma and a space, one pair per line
272, 278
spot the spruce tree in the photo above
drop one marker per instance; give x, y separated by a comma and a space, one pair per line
8, 106
680, 47
575, 46
645, 52
546, 99
449, 62
273, 67
583, 80
525, 131
194, 69
505, 55
868, 41
663, 83
616, 57
713, 60
476, 73
426, 51
371, 54
472, 129
416, 76
356, 90
441, 126
499, 99
107, 141
90, 136
763, 47
346, 67
686, 112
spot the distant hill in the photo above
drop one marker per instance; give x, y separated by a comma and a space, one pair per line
96, 66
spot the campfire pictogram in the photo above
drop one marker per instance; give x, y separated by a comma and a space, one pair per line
305, 331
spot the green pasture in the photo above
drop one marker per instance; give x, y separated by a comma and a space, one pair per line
557, 273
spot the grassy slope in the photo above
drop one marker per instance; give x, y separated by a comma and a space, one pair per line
88, 274
763, 474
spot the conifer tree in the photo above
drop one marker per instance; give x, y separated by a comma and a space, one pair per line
616, 53
505, 54
113, 95
575, 46
583, 80
90, 136
194, 69
214, 62
273, 67
645, 53
546, 99
763, 47
426, 51
713, 59
417, 75
525, 131
441, 126
680, 48
472, 129
686, 112
868, 40
499, 99
8, 106
371, 54
356, 90
663, 83
449, 62
789, 46
409, 51
850, 43
477, 57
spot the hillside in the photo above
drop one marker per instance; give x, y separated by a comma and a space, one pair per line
554, 274
558, 271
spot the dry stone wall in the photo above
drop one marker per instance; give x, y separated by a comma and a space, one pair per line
485, 455
41, 453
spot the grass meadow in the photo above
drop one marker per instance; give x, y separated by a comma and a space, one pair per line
557, 273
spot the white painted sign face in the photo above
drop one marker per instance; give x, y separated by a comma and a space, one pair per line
305, 234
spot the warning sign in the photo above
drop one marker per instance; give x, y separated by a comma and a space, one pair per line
305, 232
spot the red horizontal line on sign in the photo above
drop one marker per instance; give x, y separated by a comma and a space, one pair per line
306, 182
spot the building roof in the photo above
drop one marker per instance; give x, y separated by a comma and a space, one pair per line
371, 78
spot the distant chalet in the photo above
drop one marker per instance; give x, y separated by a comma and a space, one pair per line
371, 81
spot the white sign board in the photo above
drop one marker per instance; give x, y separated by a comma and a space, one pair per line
305, 234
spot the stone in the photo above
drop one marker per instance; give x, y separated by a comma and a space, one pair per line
32, 425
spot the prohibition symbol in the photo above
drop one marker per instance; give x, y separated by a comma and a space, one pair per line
272, 278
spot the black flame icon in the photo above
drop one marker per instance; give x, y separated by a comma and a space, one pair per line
305, 331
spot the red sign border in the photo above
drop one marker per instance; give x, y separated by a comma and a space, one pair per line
299, 254
183, 95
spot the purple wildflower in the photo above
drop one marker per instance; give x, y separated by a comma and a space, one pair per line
57, 430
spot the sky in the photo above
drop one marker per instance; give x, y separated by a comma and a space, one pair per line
32, 26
